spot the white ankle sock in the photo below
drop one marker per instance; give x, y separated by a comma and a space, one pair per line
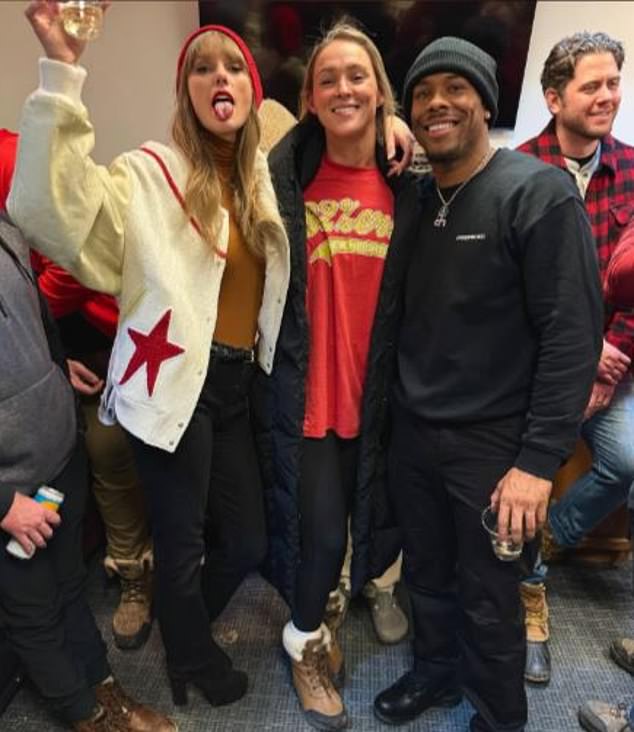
295, 640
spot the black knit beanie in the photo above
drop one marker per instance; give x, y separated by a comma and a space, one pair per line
456, 55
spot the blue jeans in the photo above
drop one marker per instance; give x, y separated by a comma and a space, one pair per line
610, 437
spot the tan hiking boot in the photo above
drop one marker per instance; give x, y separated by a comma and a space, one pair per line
537, 669
320, 701
127, 714
132, 619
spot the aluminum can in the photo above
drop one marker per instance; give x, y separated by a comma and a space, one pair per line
49, 498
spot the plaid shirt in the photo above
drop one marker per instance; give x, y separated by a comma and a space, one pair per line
610, 205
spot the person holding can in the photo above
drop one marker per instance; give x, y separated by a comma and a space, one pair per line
43, 607
190, 241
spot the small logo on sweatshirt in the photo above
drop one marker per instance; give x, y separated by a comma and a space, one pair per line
470, 238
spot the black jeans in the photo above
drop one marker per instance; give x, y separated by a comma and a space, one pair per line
468, 618
207, 514
327, 478
44, 609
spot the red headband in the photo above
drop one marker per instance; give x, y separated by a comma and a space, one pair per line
253, 69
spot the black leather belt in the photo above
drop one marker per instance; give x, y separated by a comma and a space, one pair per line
229, 353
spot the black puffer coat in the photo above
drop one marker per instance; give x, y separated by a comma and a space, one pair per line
279, 399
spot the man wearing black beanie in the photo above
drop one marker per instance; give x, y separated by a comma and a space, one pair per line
499, 338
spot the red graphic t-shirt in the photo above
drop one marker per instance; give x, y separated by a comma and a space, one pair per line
349, 221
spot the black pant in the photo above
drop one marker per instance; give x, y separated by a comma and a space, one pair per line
209, 488
468, 618
43, 607
327, 478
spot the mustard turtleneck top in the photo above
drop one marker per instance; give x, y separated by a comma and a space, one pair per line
243, 278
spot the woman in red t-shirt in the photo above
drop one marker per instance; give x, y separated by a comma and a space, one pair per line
327, 386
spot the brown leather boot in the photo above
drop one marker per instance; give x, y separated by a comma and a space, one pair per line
537, 669
132, 620
130, 715
321, 704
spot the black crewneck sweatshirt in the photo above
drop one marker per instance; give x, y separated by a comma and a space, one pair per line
502, 311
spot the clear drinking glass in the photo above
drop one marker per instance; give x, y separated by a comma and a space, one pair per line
82, 19
505, 550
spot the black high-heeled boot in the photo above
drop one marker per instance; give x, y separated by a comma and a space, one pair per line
221, 689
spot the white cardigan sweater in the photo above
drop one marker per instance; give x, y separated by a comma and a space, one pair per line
122, 230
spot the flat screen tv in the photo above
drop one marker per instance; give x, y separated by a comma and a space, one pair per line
281, 35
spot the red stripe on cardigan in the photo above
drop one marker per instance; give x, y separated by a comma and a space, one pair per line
177, 194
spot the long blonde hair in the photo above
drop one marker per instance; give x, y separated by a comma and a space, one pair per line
203, 192
345, 30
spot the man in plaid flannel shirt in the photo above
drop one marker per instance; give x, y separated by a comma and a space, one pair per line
581, 83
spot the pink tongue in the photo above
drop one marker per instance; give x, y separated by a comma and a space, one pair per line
223, 110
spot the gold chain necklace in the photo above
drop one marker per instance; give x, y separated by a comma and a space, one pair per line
441, 217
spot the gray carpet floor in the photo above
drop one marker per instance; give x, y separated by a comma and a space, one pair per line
588, 608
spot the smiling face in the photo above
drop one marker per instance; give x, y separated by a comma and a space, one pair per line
345, 94
450, 121
585, 110
219, 86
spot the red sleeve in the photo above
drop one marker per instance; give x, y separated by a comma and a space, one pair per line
65, 296
619, 292
619, 279
8, 152
62, 291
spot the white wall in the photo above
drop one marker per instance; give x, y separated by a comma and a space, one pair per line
130, 86
553, 21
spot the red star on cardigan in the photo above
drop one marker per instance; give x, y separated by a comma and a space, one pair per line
151, 349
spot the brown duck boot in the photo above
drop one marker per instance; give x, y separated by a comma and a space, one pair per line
130, 715
334, 657
320, 701
537, 670
132, 620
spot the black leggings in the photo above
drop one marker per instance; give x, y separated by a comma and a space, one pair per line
328, 475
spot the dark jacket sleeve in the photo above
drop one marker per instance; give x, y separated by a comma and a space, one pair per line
563, 297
